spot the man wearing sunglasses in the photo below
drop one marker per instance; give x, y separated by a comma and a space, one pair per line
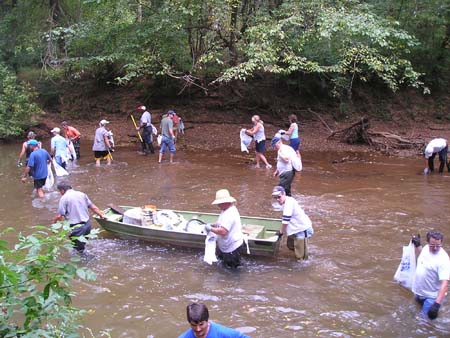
432, 274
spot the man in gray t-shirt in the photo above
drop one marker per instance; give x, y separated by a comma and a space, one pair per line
74, 206
167, 136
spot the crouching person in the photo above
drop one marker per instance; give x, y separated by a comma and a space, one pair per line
74, 206
295, 223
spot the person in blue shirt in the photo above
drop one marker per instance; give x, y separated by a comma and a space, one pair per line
37, 166
201, 327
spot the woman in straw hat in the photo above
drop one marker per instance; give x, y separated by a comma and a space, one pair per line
228, 229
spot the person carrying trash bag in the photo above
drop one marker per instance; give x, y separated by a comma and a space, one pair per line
145, 123
228, 229
432, 274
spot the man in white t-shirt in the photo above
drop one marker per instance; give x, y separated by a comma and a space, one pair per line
432, 274
284, 171
228, 229
295, 223
436, 146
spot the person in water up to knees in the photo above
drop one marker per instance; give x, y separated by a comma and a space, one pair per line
26, 149
201, 327
72, 135
102, 147
285, 171
436, 146
59, 147
74, 206
432, 274
37, 166
145, 123
228, 229
295, 224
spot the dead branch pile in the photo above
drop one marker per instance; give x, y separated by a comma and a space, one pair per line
360, 133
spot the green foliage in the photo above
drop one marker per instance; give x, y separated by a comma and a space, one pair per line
16, 104
342, 42
35, 285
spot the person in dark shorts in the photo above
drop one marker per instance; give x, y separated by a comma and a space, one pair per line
37, 166
74, 206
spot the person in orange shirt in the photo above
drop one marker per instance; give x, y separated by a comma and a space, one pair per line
73, 135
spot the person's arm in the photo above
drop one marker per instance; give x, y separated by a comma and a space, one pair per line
25, 174
285, 156
97, 211
22, 152
252, 131
442, 291
52, 148
218, 230
290, 130
57, 218
108, 144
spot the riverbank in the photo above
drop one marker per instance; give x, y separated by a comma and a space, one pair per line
217, 131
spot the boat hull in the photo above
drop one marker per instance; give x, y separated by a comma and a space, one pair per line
262, 238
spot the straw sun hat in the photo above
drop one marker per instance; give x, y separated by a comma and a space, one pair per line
223, 196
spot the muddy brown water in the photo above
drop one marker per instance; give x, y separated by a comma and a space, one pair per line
363, 211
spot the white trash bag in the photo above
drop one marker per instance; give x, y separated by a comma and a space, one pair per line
50, 181
407, 269
245, 140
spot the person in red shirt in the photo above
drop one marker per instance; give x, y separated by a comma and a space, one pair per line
73, 135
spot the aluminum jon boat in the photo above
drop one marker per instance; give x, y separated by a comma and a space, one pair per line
185, 228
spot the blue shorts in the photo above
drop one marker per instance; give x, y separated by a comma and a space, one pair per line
295, 143
260, 146
167, 142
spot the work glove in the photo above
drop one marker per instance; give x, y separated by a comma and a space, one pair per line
415, 239
111, 149
279, 234
208, 227
19, 163
433, 311
426, 171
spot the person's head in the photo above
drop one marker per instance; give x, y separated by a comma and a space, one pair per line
292, 118
142, 108
279, 194
223, 199
276, 142
171, 113
198, 316
64, 124
103, 123
55, 131
62, 187
256, 119
434, 240
33, 143
31, 135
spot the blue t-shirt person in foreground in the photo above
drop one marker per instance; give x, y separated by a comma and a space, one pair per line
198, 318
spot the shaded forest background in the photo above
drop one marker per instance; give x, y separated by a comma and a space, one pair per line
83, 58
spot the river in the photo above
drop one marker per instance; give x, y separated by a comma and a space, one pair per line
363, 211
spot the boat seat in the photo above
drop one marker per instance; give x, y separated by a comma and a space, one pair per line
253, 230
114, 217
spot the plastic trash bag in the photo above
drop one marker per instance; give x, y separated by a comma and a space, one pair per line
60, 171
159, 139
407, 269
210, 248
50, 181
245, 140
